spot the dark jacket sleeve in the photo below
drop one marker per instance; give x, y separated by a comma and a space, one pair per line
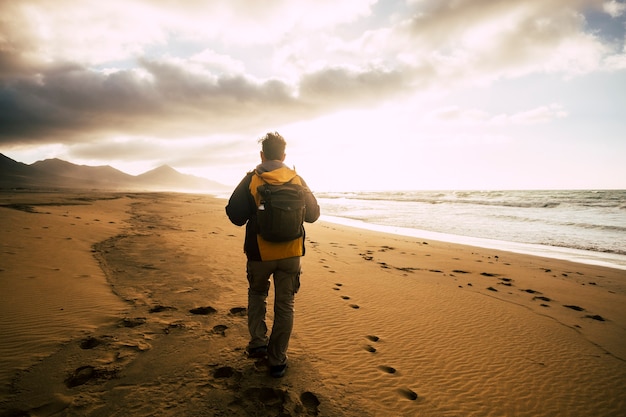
240, 208
312, 208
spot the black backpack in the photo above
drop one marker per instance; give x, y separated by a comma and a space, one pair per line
280, 214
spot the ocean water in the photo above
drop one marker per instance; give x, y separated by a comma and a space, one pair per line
581, 225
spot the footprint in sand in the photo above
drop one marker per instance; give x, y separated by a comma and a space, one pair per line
90, 343
387, 369
408, 394
355, 306
238, 311
506, 281
80, 376
370, 348
310, 402
220, 329
373, 338
159, 308
223, 372
345, 297
203, 311
84, 374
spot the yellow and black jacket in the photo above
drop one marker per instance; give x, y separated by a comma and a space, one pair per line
243, 203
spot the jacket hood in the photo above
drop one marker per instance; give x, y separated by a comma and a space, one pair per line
275, 172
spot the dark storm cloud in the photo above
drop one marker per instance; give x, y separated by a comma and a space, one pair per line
52, 103
167, 99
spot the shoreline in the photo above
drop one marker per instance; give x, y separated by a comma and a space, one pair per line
609, 260
384, 322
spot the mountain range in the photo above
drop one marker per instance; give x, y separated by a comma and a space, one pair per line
59, 174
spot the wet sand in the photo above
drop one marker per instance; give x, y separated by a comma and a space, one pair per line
134, 304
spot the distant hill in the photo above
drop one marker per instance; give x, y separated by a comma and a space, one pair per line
87, 173
56, 173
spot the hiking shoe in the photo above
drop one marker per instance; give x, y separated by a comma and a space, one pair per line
278, 371
257, 352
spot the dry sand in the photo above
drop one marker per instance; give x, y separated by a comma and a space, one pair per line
134, 305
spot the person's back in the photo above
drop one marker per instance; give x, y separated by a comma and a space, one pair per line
266, 258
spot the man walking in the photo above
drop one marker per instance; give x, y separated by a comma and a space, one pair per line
280, 259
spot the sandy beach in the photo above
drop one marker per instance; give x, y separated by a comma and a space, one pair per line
134, 304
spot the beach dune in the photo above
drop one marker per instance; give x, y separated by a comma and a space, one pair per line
135, 304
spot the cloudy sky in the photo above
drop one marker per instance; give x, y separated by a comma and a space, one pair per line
400, 94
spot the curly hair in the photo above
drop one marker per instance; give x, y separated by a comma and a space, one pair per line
273, 146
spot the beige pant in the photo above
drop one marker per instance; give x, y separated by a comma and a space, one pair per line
286, 274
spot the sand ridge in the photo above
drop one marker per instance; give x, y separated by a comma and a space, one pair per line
385, 325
